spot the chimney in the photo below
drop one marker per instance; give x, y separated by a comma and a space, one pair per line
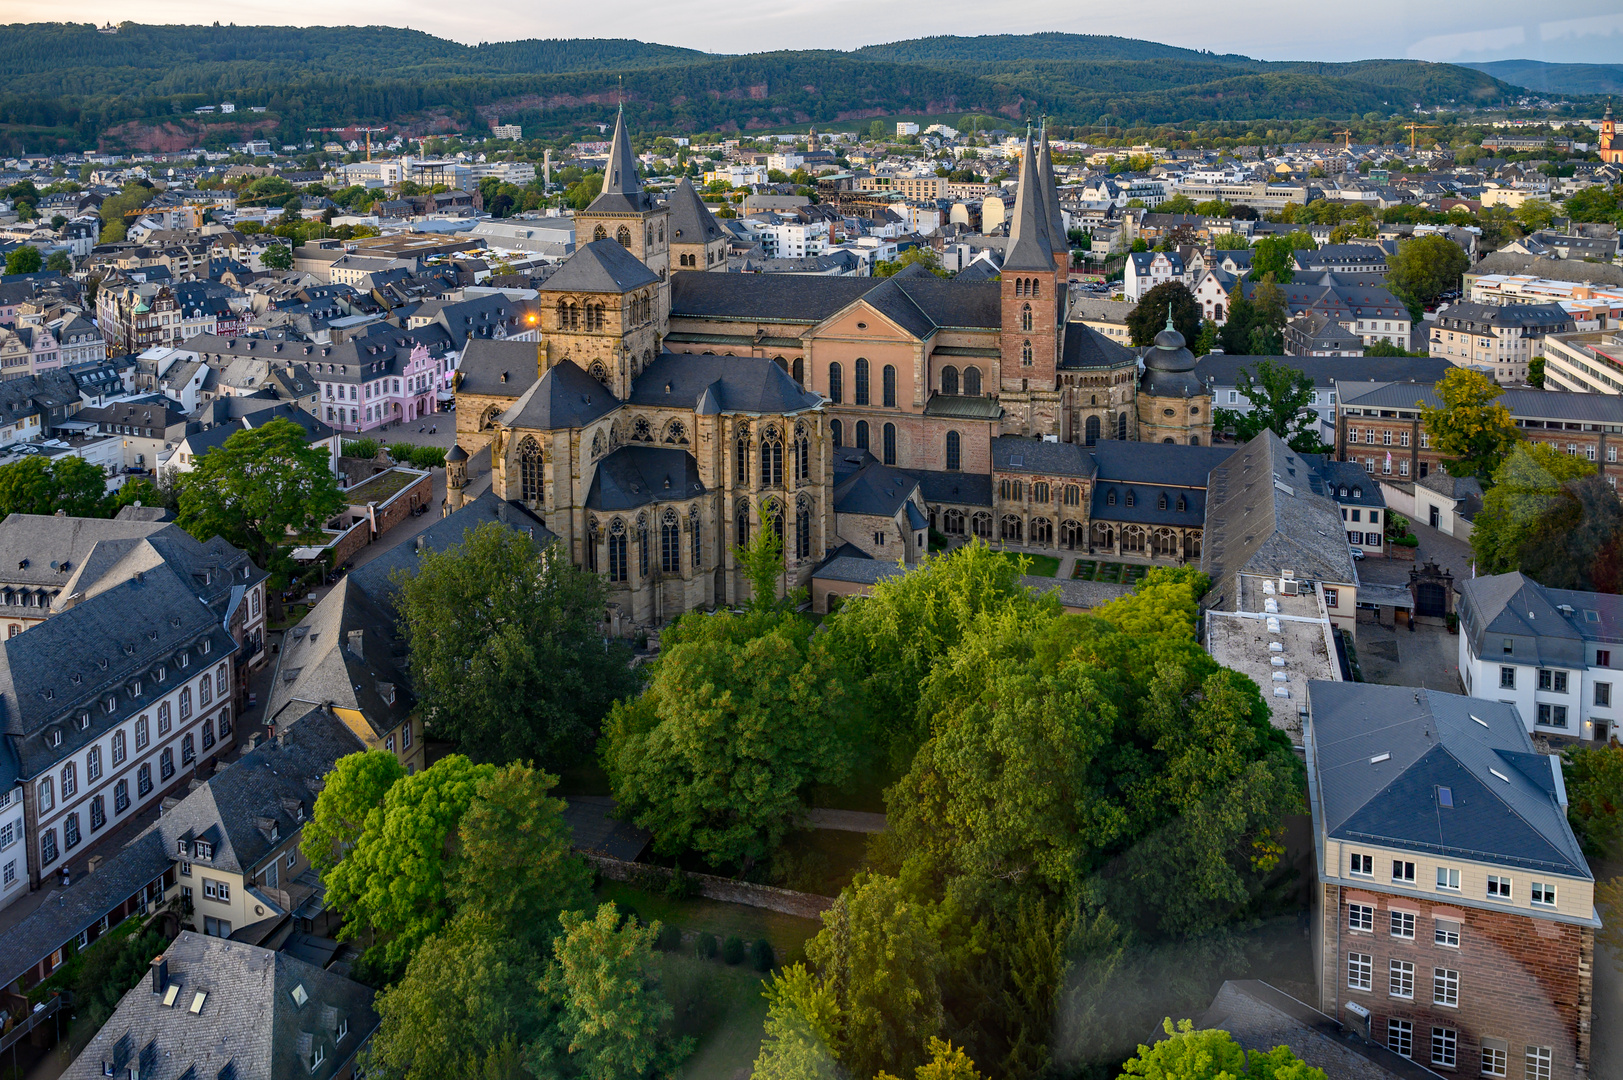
91, 864
355, 637
160, 974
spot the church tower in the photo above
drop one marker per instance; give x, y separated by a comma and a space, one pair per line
1607, 144
1174, 406
1033, 301
623, 211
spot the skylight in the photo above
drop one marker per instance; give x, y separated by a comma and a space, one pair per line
197, 1002
1378, 758
1479, 719
1500, 775
1445, 797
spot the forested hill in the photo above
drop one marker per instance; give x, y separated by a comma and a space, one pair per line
1557, 78
66, 86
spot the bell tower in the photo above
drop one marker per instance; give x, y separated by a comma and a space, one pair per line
624, 212
1033, 302
1607, 144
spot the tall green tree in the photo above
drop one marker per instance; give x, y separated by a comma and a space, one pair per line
59, 262
277, 257
1577, 543
37, 485
705, 758
1524, 487
802, 1023
1471, 431
467, 1004
259, 489
1269, 313
507, 656
1594, 782
1425, 267
1279, 397
24, 260
353, 791
612, 1019
1276, 255
1150, 316
1212, 1054
392, 885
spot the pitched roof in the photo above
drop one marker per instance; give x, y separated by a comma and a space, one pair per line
485, 361
602, 266
1086, 347
1057, 240
1030, 248
729, 384
875, 490
243, 1013
347, 652
622, 190
1379, 754
808, 300
565, 397
691, 220
1221, 369
1018, 454
633, 476
375, 578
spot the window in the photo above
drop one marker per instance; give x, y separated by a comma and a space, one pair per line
1448, 878
47, 847
1400, 1037
1363, 865
142, 736
670, 543
1552, 715
955, 459
889, 444
1507, 678
972, 381
45, 795
1402, 924
1553, 681
1498, 887
8, 834
1332, 597
887, 379
1360, 917
143, 780
1445, 986
861, 387
70, 832
205, 690
188, 749
119, 748
70, 781
617, 550
1538, 1063
164, 721
1445, 1044
166, 762
1603, 658
1360, 971
98, 813
835, 387
1447, 933
530, 471
862, 434
1495, 1057
1402, 872
1543, 893
388, 743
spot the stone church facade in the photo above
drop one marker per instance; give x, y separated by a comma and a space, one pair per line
674, 411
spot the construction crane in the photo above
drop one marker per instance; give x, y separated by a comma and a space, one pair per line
352, 127
1414, 128
1346, 133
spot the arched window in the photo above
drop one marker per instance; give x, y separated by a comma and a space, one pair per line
574, 316
861, 397
1025, 318
676, 433
1019, 286
1012, 528
862, 434
802, 453
624, 236
798, 372
887, 382
1025, 354
1039, 491
803, 524
1194, 440
1042, 532
771, 459
772, 514
600, 233
741, 458
670, 543
617, 550
593, 538
1121, 427
1091, 430
696, 535
600, 373
890, 444
563, 314
981, 525
972, 381
642, 545
1036, 287
836, 433
952, 522
949, 380
835, 388
530, 473
1073, 495
741, 523
955, 453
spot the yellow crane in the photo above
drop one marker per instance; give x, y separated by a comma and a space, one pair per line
1346, 133
1414, 128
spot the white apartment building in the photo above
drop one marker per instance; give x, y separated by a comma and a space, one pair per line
794, 239
13, 850
1555, 654
1501, 339
1147, 269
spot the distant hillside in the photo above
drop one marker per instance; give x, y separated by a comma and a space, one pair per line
1557, 78
66, 86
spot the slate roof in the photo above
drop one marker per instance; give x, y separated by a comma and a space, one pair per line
727, 384
891, 300
1016, 454
1030, 246
953, 488
1508, 801
875, 490
691, 220
374, 577
347, 652
1086, 347
808, 299
1514, 604
602, 266
1219, 369
622, 190
863, 570
1168, 464
1475, 318
1329, 477
250, 1026
981, 270
486, 360
565, 397
52, 674
633, 476
1263, 517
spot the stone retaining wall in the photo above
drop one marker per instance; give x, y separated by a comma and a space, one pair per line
784, 901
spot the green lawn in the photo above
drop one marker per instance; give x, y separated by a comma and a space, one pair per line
1035, 565
721, 1007
1114, 573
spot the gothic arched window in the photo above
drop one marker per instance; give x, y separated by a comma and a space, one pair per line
803, 516
955, 453
771, 458
798, 373
1073, 495
1091, 431
887, 382
670, 543
1036, 287
642, 430
676, 433
593, 537
530, 473
624, 236
741, 523
600, 233
949, 380
1025, 318
617, 550
1039, 491
642, 545
802, 453
599, 372
861, 390
1025, 354
836, 390
741, 458
696, 534
836, 433
862, 434
972, 381
890, 444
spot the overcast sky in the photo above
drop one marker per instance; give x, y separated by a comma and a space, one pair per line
1572, 31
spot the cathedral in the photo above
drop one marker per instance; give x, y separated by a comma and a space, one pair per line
669, 410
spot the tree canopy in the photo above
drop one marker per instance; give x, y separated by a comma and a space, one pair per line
1212, 1054
1279, 397
1524, 487
1471, 431
1276, 255
40, 485
1425, 267
1150, 316
506, 654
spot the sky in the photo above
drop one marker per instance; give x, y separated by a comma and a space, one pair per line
1573, 31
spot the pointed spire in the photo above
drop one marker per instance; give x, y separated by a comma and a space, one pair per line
1169, 317
620, 175
1058, 241
1029, 246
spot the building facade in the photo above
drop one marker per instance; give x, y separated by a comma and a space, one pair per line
1500, 339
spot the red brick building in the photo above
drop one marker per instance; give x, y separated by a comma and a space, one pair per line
1454, 917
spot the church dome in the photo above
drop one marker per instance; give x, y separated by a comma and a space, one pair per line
1169, 366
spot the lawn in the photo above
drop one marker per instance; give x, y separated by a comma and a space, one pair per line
1114, 573
1035, 565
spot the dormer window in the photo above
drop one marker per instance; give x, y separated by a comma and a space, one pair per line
205, 850
184, 660
84, 721
181, 848
162, 673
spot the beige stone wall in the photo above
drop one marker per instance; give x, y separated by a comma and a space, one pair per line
1189, 417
